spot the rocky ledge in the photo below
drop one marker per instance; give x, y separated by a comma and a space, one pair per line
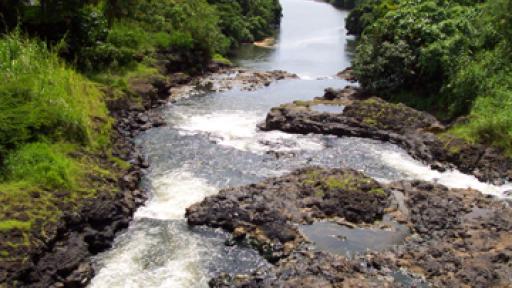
456, 237
228, 78
417, 132
58, 254
262, 214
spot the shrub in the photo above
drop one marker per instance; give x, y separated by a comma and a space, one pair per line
247, 21
449, 57
366, 13
413, 46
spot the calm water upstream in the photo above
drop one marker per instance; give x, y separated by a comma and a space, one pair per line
211, 142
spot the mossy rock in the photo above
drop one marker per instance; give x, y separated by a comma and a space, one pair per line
269, 211
380, 114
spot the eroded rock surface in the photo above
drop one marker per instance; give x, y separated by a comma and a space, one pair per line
313, 269
417, 132
463, 237
459, 237
265, 213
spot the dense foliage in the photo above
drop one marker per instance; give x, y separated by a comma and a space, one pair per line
247, 21
109, 34
367, 12
449, 57
43, 100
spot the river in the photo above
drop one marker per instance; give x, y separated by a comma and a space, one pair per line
211, 142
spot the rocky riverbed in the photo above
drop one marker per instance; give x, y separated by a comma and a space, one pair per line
59, 254
417, 132
339, 228
458, 237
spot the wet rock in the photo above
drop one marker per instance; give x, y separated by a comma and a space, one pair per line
307, 269
179, 78
462, 234
264, 213
80, 277
331, 94
372, 117
461, 237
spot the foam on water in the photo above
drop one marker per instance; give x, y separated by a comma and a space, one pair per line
307, 77
174, 251
238, 129
175, 260
173, 192
452, 178
160, 249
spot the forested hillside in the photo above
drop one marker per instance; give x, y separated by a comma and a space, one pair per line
452, 58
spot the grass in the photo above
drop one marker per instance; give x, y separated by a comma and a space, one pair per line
119, 77
42, 164
54, 143
343, 182
120, 162
335, 183
47, 111
378, 191
117, 81
42, 98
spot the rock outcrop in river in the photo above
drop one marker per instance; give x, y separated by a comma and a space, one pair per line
417, 132
458, 237
262, 213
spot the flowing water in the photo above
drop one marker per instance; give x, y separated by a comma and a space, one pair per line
211, 142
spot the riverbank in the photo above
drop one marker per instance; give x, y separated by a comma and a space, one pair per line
57, 252
70, 170
63, 257
407, 54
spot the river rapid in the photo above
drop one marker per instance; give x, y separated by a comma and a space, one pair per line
211, 142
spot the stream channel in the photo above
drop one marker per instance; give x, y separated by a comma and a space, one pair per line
211, 142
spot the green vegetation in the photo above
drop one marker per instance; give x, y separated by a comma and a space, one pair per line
47, 113
111, 34
14, 224
247, 21
60, 61
452, 58
366, 13
346, 181
42, 99
41, 164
